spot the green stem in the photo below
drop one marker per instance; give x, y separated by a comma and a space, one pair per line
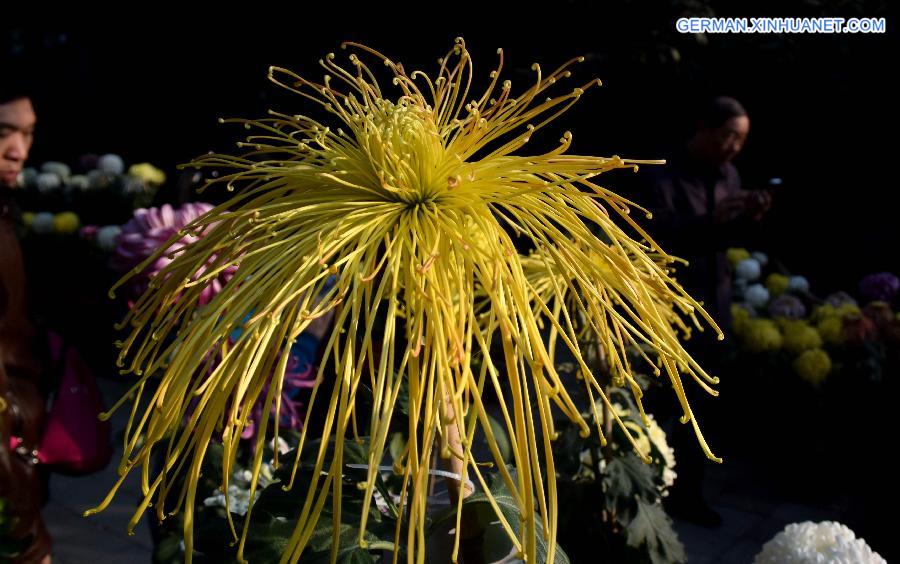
382, 545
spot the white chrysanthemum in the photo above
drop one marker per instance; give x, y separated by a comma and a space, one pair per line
61, 170
29, 177
586, 470
798, 284
42, 223
111, 164
815, 543
283, 446
658, 437
748, 269
756, 295
238, 498
108, 236
643, 437
97, 179
761, 258
586, 457
80, 182
48, 182
133, 185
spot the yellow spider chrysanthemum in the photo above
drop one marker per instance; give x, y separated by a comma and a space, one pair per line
627, 300
407, 207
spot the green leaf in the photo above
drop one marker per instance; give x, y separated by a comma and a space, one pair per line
627, 477
348, 536
275, 502
276, 510
499, 432
318, 550
566, 451
350, 555
356, 556
403, 397
212, 536
396, 445
167, 550
652, 529
267, 542
479, 514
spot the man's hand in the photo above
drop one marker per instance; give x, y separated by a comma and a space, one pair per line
758, 203
751, 204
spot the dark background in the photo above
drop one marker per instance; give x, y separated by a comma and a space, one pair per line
823, 108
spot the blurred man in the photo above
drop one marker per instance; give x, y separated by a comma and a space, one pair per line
698, 205
700, 210
21, 401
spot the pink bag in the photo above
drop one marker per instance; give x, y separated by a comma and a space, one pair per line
74, 440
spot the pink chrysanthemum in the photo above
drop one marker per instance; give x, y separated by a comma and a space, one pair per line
151, 229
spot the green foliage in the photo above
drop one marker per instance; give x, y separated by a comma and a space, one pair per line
650, 530
479, 514
274, 515
627, 478
612, 499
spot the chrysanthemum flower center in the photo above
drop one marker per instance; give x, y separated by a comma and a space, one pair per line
404, 148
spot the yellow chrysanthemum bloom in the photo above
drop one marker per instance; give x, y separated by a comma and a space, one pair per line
148, 173
777, 284
740, 317
813, 366
736, 255
27, 218
406, 205
825, 311
830, 329
847, 309
799, 336
66, 222
762, 335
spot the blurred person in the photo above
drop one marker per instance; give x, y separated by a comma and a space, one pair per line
699, 210
699, 207
22, 403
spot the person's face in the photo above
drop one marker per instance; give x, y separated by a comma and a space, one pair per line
17, 121
723, 143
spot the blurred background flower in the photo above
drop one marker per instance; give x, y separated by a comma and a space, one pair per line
787, 306
777, 284
882, 286
149, 230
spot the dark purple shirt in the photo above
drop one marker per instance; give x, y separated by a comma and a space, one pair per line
682, 195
